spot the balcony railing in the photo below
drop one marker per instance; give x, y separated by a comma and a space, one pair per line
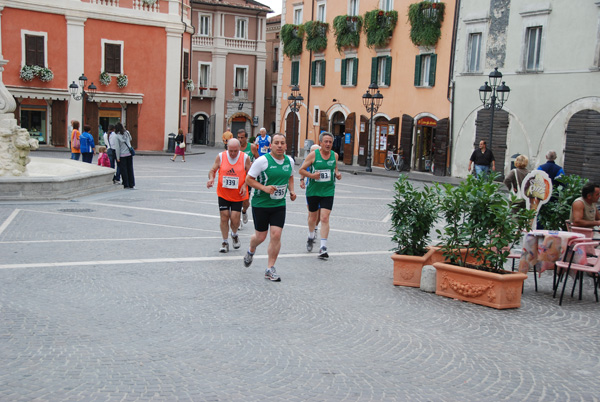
113, 3
203, 92
230, 43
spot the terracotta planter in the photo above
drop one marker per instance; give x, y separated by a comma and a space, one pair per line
407, 268
438, 256
479, 287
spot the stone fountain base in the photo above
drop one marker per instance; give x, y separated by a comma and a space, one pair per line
56, 179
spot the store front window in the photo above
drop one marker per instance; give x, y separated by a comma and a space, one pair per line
34, 121
107, 117
426, 128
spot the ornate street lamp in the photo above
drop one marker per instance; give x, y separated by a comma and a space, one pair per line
293, 100
85, 94
372, 100
494, 96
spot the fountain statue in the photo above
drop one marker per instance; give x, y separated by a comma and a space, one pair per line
15, 142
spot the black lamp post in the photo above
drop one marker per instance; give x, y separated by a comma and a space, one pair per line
85, 94
293, 101
372, 99
494, 96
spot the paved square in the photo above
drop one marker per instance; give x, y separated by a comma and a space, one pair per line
124, 296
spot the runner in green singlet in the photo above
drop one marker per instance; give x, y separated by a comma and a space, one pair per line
271, 175
320, 166
252, 151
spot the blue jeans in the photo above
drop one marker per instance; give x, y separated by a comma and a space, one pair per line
75, 156
481, 170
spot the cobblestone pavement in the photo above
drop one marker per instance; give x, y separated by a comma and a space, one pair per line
123, 296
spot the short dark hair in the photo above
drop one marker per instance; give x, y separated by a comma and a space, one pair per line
87, 128
241, 130
589, 189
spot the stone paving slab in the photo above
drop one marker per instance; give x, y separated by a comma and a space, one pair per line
123, 296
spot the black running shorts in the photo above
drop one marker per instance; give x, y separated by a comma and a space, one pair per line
316, 202
230, 205
263, 217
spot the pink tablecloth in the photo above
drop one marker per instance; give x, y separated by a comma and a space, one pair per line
545, 247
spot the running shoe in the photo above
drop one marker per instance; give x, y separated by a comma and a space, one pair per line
241, 226
236, 241
245, 217
271, 275
224, 247
323, 253
248, 259
309, 244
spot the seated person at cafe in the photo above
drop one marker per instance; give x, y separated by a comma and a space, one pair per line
584, 211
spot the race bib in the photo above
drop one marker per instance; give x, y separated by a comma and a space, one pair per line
231, 182
324, 175
279, 192
264, 149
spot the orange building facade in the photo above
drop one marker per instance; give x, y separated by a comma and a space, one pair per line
140, 49
414, 82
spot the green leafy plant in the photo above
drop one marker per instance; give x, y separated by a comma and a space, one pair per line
413, 213
292, 37
347, 29
379, 26
554, 214
426, 20
480, 218
316, 35
189, 85
122, 81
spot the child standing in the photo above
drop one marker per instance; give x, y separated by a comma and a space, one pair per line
103, 159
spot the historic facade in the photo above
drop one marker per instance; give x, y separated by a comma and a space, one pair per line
548, 53
229, 61
134, 52
337, 62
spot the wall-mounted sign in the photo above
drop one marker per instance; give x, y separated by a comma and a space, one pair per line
427, 121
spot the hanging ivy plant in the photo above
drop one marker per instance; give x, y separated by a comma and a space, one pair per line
347, 31
292, 36
426, 22
316, 35
379, 26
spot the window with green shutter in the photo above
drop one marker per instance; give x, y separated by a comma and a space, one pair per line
354, 71
343, 76
425, 66
295, 73
381, 70
317, 74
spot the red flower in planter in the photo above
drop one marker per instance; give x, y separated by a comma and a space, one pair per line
348, 18
433, 5
381, 13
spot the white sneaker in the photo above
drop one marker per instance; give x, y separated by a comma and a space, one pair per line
236, 241
245, 217
224, 247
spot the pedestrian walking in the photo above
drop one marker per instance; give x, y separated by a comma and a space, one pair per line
271, 175
321, 189
232, 166
553, 170
75, 146
514, 180
86, 144
121, 142
483, 159
179, 146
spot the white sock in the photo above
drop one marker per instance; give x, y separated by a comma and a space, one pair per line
311, 235
233, 234
324, 243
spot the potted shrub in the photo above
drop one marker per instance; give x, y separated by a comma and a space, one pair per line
480, 218
105, 78
122, 81
379, 26
426, 20
316, 35
413, 213
346, 29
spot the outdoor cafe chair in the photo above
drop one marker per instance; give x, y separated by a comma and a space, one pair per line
592, 268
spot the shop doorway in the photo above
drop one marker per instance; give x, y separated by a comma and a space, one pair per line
385, 139
425, 144
338, 128
291, 122
33, 119
200, 129
106, 117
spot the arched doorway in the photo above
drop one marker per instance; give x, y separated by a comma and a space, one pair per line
338, 129
582, 142
238, 123
200, 129
292, 127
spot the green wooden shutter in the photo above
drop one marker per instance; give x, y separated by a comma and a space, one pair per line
295, 72
323, 72
355, 71
432, 64
418, 71
374, 70
388, 70
343, 77
313, 71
